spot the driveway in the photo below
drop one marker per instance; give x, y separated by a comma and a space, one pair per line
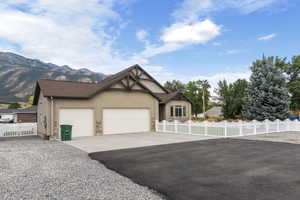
34, 169
133, 140
289, 137
220, 169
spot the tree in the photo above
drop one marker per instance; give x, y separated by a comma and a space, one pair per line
14, 106
231, 95
239, 91
195, 90
267, 96
292, 70
174, 85
224, 92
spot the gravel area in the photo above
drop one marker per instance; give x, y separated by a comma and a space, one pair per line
31, 168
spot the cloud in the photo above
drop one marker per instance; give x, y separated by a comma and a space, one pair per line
163, 75
193, 33
267, 37
189, 29
141, 34
216, 43
72, 32
232, 51
190, 10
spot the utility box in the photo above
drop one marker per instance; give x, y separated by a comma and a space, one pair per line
66, 132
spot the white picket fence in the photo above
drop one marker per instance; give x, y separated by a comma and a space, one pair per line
18, 129
228, 129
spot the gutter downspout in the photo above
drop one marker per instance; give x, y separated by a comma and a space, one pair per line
52, 118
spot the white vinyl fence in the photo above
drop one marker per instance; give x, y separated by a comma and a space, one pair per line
228, 129
18, 129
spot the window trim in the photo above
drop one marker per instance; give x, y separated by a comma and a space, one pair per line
178, 111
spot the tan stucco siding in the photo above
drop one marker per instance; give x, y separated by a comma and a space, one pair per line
43, 115
108, 99
153, 87
126, 100
188, 106
69, 104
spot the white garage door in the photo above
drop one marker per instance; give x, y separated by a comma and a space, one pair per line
125, 121
82, 121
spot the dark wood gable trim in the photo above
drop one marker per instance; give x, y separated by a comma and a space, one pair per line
135, 76
36, 96
143, 72
129, 87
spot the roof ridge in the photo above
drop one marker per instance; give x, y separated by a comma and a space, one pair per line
68, 81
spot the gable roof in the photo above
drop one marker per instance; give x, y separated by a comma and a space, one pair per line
167, 97
81, 90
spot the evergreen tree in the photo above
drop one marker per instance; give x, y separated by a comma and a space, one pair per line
267, 96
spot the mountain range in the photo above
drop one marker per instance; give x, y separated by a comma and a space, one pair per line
18, 76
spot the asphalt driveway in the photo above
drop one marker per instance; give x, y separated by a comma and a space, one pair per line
220, 169
289, 137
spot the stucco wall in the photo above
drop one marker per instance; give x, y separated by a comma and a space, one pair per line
181, 103
43, 115
108, 99
152, 86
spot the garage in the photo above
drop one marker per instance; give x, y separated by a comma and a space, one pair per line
82, 121
116, 121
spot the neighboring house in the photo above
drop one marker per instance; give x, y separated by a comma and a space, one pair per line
22, 115
129, 101
215, 111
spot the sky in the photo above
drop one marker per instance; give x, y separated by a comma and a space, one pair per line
172, 39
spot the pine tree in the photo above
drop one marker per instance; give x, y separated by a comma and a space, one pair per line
267, 96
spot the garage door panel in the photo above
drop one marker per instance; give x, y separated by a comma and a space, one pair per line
82, 121
116, 121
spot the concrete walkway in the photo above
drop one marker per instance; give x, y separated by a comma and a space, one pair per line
132, 140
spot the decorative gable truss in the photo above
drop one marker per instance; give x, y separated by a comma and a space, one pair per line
137, 79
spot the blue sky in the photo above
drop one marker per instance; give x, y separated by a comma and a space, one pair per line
172, 39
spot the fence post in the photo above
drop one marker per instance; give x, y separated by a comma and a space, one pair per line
225, 128
205, 128
267, 125
164, 126
277, 125
176, 126
241, 127
190, 127
288, 124
255, 127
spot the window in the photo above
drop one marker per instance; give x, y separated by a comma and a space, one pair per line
178, 111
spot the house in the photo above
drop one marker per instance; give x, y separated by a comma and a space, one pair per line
23, 115
215, 111
126, 102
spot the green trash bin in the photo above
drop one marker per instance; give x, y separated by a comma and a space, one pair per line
66, 132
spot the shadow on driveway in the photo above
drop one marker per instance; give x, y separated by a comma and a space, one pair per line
221, 169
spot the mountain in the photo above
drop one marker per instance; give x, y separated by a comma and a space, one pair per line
18, 76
